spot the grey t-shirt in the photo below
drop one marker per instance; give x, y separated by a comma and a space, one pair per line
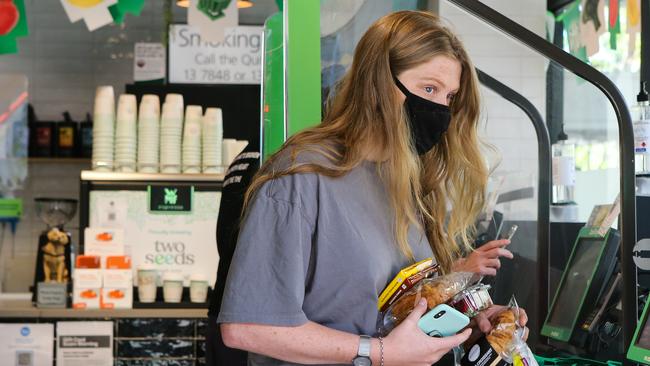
315, 248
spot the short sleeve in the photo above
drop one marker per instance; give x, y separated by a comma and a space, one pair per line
266, 281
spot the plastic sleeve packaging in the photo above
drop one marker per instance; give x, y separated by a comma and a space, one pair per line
436, 291
507, 338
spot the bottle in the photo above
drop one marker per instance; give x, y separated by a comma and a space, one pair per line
66, 137
564, 171
641, 124
86, 137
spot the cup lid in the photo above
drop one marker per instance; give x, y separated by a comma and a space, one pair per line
193, 112
104, 91
174, 98
213, 115
146, 267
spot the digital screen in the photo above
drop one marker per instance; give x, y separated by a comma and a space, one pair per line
576, 280
644, 337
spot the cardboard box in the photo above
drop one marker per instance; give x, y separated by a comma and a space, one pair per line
104, 242
117, 292
482, 354
87, 287
87, 282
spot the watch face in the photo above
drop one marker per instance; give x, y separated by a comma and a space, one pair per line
362, 361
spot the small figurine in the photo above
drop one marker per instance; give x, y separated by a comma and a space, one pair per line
54, 266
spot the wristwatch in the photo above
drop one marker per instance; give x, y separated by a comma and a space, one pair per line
363, 354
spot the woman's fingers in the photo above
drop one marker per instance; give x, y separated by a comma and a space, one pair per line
445, 344
488, 271
483, 323
493, 244
417, 312
498, 252
523, 317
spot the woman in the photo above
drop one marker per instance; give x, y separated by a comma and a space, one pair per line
344, 205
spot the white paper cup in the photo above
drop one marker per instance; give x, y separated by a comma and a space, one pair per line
174, 98
147, 280
153, 100
172, 287
198, 288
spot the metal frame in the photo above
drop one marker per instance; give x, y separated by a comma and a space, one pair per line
626, 143
544, 180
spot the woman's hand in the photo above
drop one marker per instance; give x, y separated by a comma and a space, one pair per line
485, 259
422, 349
482, 323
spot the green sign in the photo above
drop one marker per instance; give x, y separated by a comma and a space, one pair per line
11, 207
170, 199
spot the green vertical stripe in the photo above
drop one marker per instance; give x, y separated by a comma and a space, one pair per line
302, 64
273, 106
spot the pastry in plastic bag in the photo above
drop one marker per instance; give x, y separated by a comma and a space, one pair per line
436, 290
507, 337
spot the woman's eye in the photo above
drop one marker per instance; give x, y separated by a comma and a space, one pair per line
429, 89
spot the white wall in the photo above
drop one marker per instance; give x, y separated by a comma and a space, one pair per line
506, 127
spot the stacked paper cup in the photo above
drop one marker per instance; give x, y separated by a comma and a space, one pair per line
126, 134
192, 139
103, 129
148, 133
212, 130
171, 130
232, 148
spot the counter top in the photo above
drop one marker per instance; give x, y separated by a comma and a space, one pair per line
90, 175
24, 309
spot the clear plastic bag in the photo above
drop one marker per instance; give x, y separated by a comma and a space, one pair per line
513, 349
436, 290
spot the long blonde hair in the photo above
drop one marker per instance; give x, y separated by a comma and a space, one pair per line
367, 112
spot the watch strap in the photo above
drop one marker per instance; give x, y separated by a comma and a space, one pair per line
364, 346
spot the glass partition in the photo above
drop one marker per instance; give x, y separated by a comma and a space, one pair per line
590, 122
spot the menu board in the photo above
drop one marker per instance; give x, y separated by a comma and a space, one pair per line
183, 243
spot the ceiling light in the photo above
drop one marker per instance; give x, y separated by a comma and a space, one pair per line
183, 3
243, 4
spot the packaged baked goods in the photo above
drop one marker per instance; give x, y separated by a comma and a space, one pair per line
472, 300
504, 345
399, 279
408, 284
438, 290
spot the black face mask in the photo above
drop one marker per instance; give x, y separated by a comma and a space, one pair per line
428, 120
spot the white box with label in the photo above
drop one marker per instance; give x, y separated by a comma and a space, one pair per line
118, 289
87, 287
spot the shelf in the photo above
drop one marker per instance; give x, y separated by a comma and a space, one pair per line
90, 175
55, 160
24, 309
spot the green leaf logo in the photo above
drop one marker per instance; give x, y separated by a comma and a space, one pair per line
171, 196
213, 9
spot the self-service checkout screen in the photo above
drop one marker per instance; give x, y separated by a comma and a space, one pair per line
577, 277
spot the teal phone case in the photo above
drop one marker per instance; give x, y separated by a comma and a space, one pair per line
443, 321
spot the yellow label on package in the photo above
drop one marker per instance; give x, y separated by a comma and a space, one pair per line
400, 277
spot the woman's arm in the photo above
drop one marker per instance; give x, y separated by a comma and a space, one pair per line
312, 343
309, 343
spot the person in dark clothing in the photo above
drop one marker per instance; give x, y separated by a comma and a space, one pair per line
236, 182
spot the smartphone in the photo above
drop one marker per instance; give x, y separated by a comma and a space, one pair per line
511, 232
443, 321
